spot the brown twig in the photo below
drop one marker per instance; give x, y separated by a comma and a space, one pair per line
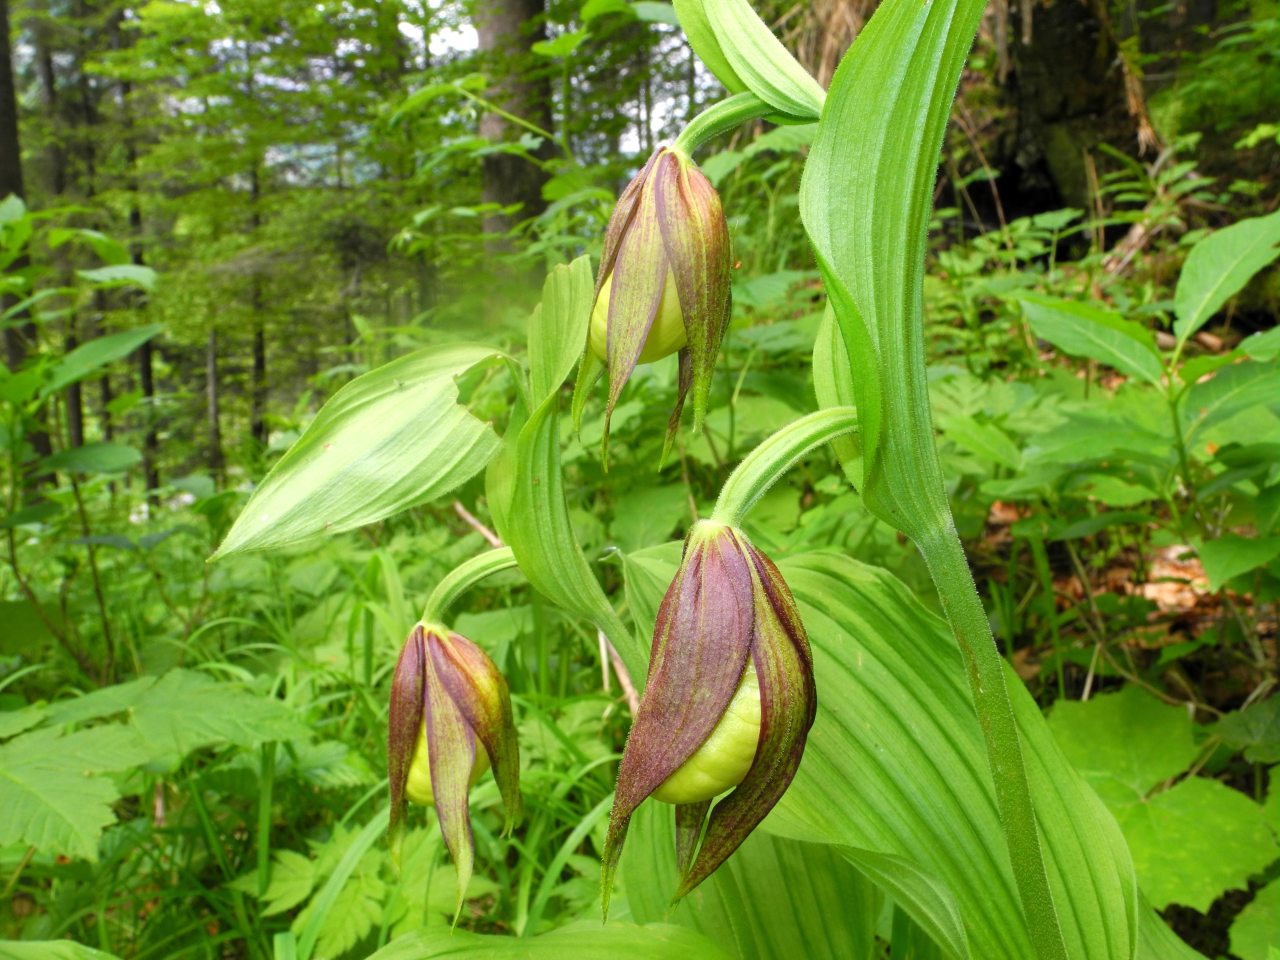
471, 521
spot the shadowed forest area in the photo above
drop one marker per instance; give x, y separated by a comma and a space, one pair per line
217, 214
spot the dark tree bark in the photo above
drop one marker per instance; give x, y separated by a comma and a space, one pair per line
1068, 86
258, 375
20, 339
507, 30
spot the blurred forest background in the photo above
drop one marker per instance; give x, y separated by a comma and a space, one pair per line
213, 214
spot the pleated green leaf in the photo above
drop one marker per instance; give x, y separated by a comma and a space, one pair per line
895, 777
775, 897
587, 940
758, 60
865, 200
391, 438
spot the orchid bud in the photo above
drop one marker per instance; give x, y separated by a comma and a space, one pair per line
450, 719
727, 706
663, 283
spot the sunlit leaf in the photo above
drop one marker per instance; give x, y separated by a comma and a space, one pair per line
389, 439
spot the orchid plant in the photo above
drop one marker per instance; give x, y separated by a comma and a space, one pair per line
752, 667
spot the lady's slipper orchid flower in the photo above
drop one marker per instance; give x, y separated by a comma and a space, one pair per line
727, 706
663, 283
446, 695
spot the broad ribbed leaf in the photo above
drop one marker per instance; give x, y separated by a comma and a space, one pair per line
774, 898
701, 35
389, 439
1084, 330
865, 199
1219, 266
895, 774
585, 940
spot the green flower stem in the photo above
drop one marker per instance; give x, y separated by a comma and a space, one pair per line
720, 118
763, 466
985, 669
462, 578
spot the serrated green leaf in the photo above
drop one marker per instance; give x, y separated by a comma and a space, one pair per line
54, 798
1194, 841
389, 439
1219, 266
1084, 330
99, 703
184, 710
1255, 932
1255, 730
89, 358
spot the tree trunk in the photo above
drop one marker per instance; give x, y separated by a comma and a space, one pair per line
258, 377
21, 338
217, 466
1068, 86
507, 30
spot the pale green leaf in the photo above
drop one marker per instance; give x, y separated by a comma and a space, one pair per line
701, 35
1231, 556
757, 59
99, 703
558, 327
1255, 932
1084, 330
292, 878
89, 358
53, 795
388, 440
1189, 842
13, 722
120, 275
1219, 266
584, 940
